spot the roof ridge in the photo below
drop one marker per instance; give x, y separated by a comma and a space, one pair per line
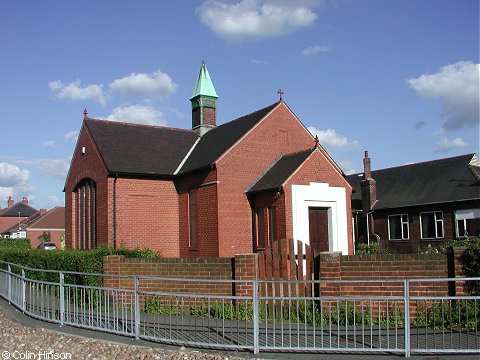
417, 163
138, 125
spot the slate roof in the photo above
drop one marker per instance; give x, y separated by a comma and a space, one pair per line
158, 151
25, 210
279, 172
438, 181
140, 149
215, 142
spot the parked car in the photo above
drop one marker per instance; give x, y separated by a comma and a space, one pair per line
47, 246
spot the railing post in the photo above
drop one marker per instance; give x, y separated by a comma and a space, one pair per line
256, 325
9, 286
137, 308
406, 306
24, 291
62, 298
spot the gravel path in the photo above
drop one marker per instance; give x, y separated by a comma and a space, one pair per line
22, 342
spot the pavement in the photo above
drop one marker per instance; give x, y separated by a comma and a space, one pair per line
13, 314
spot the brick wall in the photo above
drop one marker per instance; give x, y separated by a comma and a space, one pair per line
241, 267
334, 266
147, 215
88, 165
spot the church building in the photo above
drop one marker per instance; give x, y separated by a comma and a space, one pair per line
214, 190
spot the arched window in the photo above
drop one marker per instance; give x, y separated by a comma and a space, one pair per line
85, 219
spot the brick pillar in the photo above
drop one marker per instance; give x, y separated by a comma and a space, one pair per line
112, 265
330, 270
246, 268
455, 270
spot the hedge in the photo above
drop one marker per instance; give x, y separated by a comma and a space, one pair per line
81, 261
21, 244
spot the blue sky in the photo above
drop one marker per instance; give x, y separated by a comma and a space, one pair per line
399, 78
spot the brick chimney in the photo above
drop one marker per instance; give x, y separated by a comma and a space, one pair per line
368, 186
43, 211
10, 202
25, 201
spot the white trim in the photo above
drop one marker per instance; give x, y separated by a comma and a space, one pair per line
186, 156
321, 195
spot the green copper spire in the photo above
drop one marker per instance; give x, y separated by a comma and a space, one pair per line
204, 85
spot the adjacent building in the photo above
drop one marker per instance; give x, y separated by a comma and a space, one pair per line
413, 206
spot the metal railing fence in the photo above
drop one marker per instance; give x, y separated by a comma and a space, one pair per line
270, 316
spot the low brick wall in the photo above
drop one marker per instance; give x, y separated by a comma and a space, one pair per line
390, 269
242, 267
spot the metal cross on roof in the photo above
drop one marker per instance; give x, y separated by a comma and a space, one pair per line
280, 92
85, 113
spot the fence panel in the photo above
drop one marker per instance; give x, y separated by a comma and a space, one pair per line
266, 317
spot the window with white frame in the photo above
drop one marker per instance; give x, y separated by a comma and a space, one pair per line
398, 227
467, 222
431, 225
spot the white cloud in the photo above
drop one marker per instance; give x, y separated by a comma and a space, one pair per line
457, 87
445, 145
157, 85
75, 91
57, 168
11, 175
331, 140
139, 114
256, 19
312, 50
71, 135
14, 182
346, 166
258, 62
49, 144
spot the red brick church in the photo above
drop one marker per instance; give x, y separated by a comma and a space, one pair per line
213, 190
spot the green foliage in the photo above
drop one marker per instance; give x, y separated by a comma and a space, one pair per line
90, 261
471, 265
45, 237
20, 244
458, 315
373, 248
443, 247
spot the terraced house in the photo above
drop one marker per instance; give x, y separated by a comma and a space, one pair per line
212, 190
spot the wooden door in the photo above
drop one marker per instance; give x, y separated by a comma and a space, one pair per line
318, 228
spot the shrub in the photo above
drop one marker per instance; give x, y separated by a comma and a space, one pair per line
20, 244
471, 265
373, 248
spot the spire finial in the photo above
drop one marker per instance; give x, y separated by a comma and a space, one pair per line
280, 93
85, 113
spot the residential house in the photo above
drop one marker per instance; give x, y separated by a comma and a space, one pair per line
41, 226
15, 213
413, 206
212, 190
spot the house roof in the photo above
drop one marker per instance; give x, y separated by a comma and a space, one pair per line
25, 210
218, 140
437, 181
140, 149
279, 172
54, 219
